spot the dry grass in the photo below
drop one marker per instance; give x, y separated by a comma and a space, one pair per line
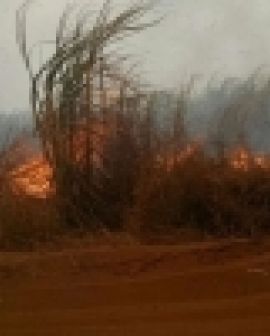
206, 196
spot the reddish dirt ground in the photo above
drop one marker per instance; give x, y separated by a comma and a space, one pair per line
220, 288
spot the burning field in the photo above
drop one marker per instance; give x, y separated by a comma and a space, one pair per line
143, 210
34, 177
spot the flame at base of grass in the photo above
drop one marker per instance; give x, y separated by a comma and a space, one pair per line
171, 159
238, 158
33, 178
243, 159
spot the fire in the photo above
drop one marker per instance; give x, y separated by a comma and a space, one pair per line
32, 178
238, 158
35, 176
241, 158
170, 159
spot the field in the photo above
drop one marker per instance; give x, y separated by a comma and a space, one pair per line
132, 209
205, 288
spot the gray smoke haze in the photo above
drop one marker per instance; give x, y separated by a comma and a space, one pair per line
221, 38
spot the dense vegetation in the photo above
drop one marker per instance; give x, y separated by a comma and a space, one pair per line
116, 161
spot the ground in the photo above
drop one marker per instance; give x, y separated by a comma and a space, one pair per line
208, 288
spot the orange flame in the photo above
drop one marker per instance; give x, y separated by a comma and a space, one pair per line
241, 158
35, 176
32, 178
170, 159
238, 158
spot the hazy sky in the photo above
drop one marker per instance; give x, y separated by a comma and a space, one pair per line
206, 37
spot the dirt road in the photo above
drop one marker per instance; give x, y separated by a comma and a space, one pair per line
204, 289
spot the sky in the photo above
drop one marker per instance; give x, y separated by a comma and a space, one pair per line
209, 38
